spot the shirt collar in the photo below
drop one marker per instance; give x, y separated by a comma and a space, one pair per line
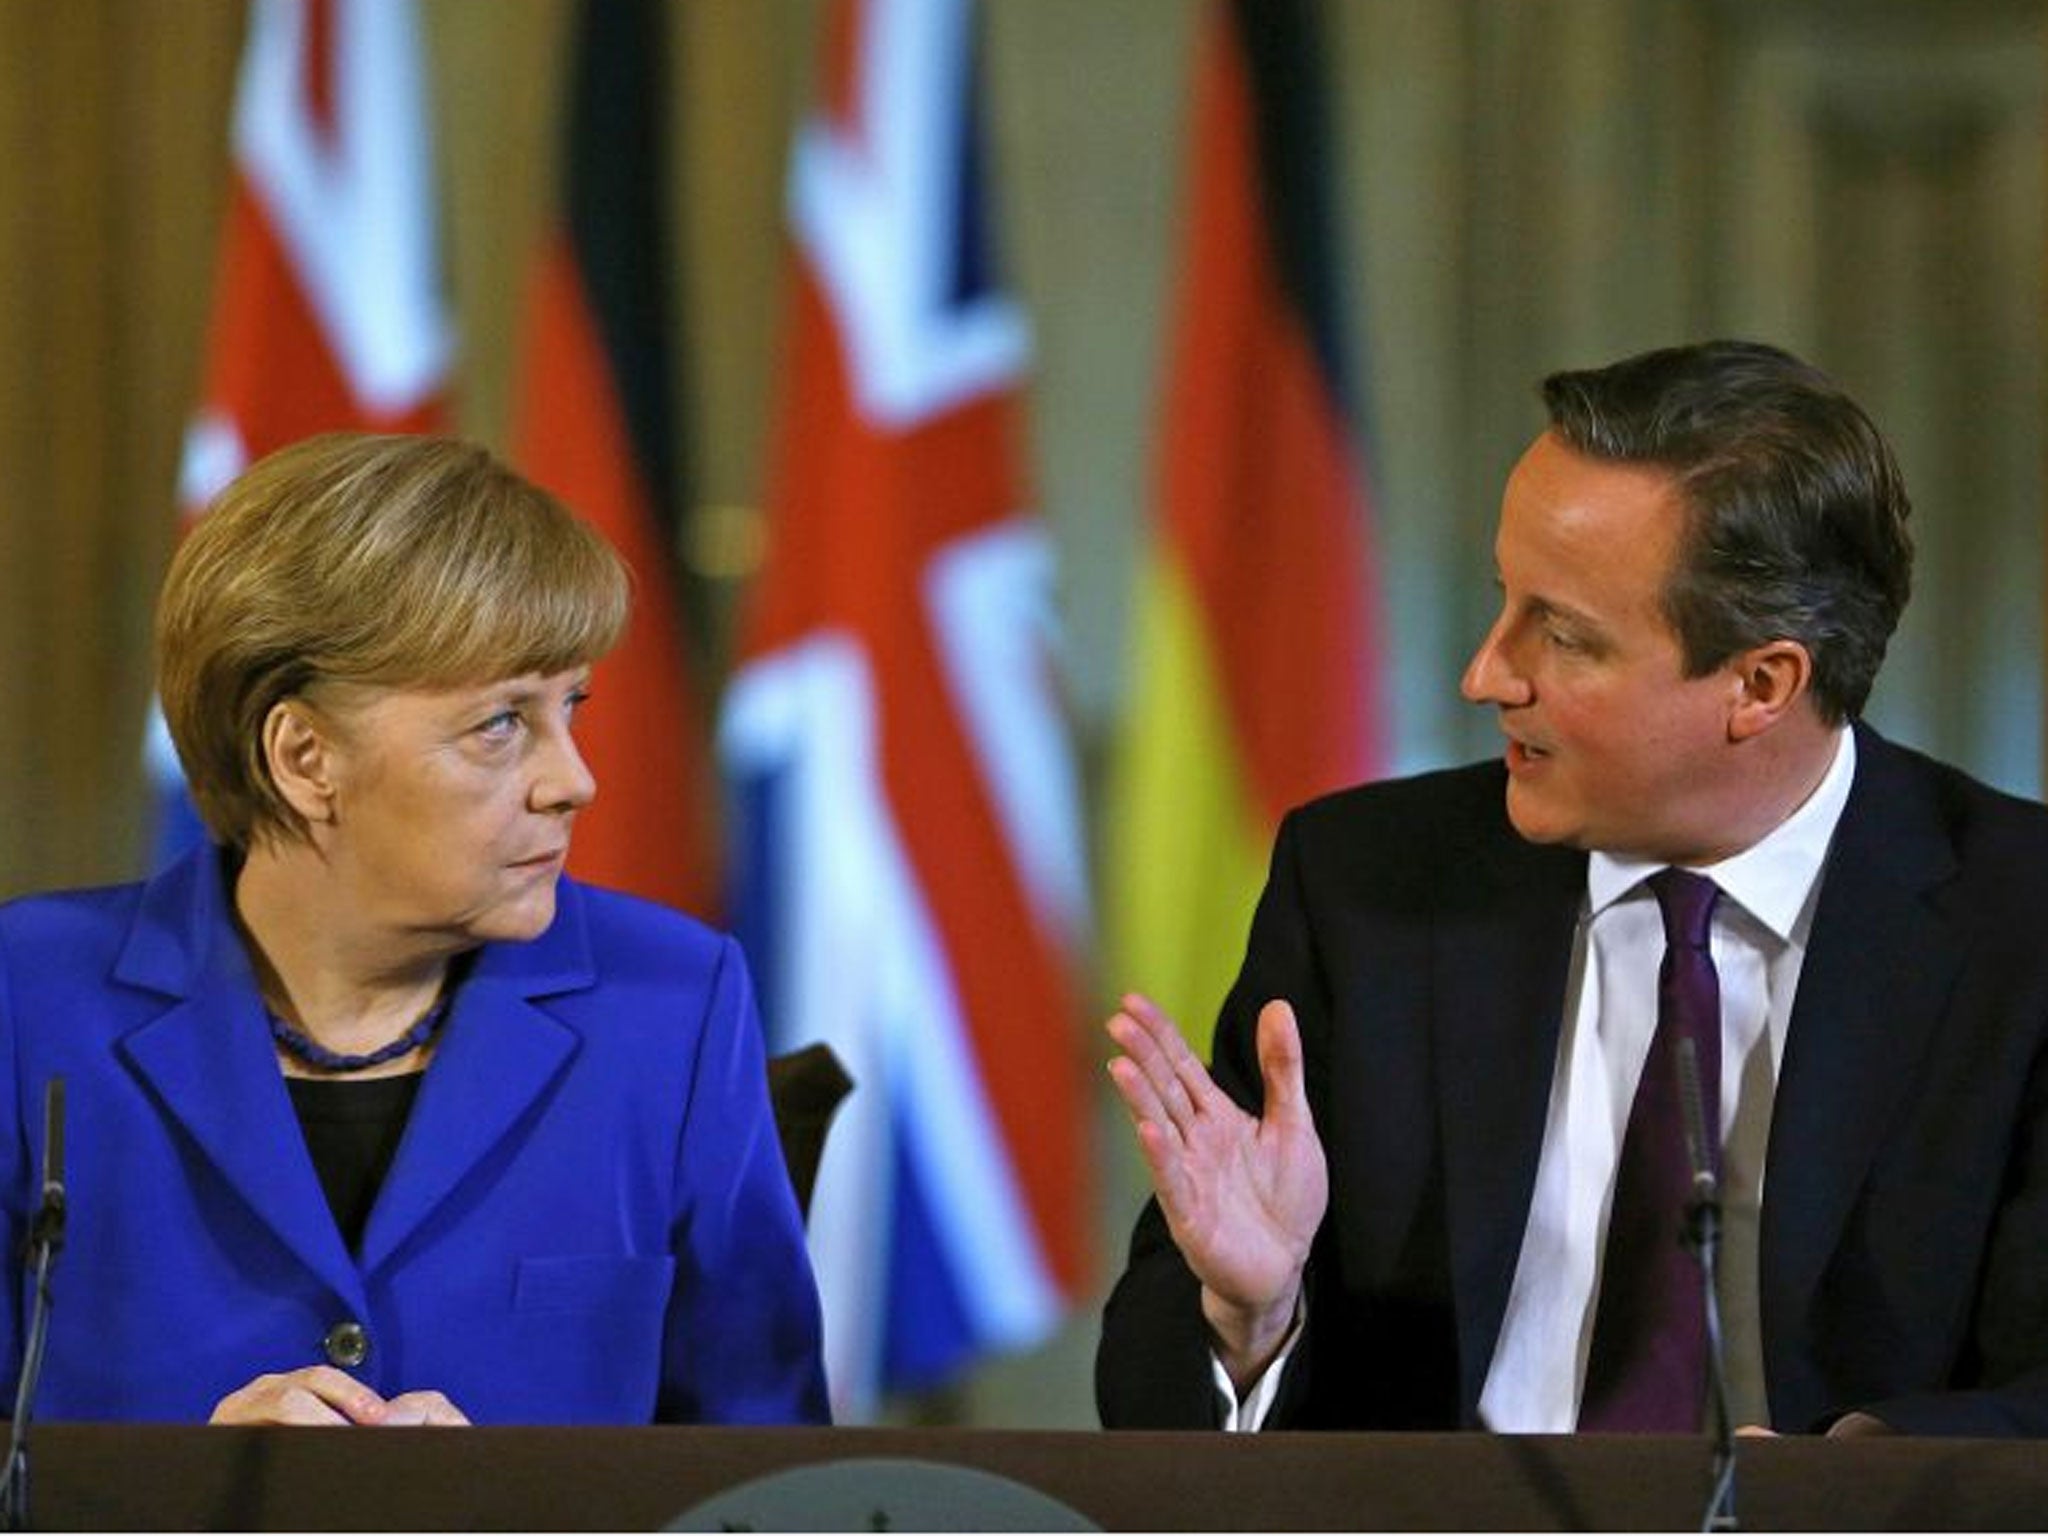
1773, 877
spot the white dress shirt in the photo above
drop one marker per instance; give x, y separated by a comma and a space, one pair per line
1758, 941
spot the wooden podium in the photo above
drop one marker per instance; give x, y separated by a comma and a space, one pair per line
176, 1477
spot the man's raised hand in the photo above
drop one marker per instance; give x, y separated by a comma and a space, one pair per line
1242, 1196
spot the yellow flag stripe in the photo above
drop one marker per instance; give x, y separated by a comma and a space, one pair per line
1185, 850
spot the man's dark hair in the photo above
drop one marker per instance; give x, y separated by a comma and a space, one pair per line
1796, 511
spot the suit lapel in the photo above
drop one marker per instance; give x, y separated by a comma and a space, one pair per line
498, 1056
1880, 964
209, 1061
1502, 950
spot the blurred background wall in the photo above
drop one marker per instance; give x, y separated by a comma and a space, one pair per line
1526, 184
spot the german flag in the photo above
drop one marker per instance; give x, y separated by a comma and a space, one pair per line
1255, 668
596, 424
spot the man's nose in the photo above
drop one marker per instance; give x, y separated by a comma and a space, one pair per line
1490, 676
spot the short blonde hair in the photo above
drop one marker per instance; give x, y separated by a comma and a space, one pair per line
352, 558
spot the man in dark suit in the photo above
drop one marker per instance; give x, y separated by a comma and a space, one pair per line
1399, 1200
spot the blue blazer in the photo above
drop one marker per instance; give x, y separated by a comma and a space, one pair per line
588, 1218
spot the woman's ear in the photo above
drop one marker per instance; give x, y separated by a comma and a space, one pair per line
1771, 679
299, 752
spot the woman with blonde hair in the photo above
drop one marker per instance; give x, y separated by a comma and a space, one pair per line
376, 1117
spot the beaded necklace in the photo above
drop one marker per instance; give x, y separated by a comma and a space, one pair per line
302, 1047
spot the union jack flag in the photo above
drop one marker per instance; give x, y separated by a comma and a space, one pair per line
327, 309
910, 883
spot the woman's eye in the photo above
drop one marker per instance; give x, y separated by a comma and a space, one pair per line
501, 725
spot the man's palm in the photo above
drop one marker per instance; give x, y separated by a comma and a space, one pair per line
1242, 1196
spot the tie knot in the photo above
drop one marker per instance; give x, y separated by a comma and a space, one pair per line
1687, 902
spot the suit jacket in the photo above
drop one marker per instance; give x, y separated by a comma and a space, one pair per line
587, 1219
1903, 1251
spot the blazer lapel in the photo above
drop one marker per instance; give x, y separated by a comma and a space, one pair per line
209, 1061
498, 1055
1880, 964
1502, 951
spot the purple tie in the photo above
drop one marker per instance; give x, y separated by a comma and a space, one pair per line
1647, 1369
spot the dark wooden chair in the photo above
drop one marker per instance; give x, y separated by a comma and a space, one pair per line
806, 1088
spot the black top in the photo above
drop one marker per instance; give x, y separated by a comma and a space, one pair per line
352, 1128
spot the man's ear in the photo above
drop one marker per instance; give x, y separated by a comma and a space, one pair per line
299, 751
1770, 682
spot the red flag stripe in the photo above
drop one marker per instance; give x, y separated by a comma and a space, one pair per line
1261, 488
641, 730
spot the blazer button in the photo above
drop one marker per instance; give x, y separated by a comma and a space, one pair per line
346, 1345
